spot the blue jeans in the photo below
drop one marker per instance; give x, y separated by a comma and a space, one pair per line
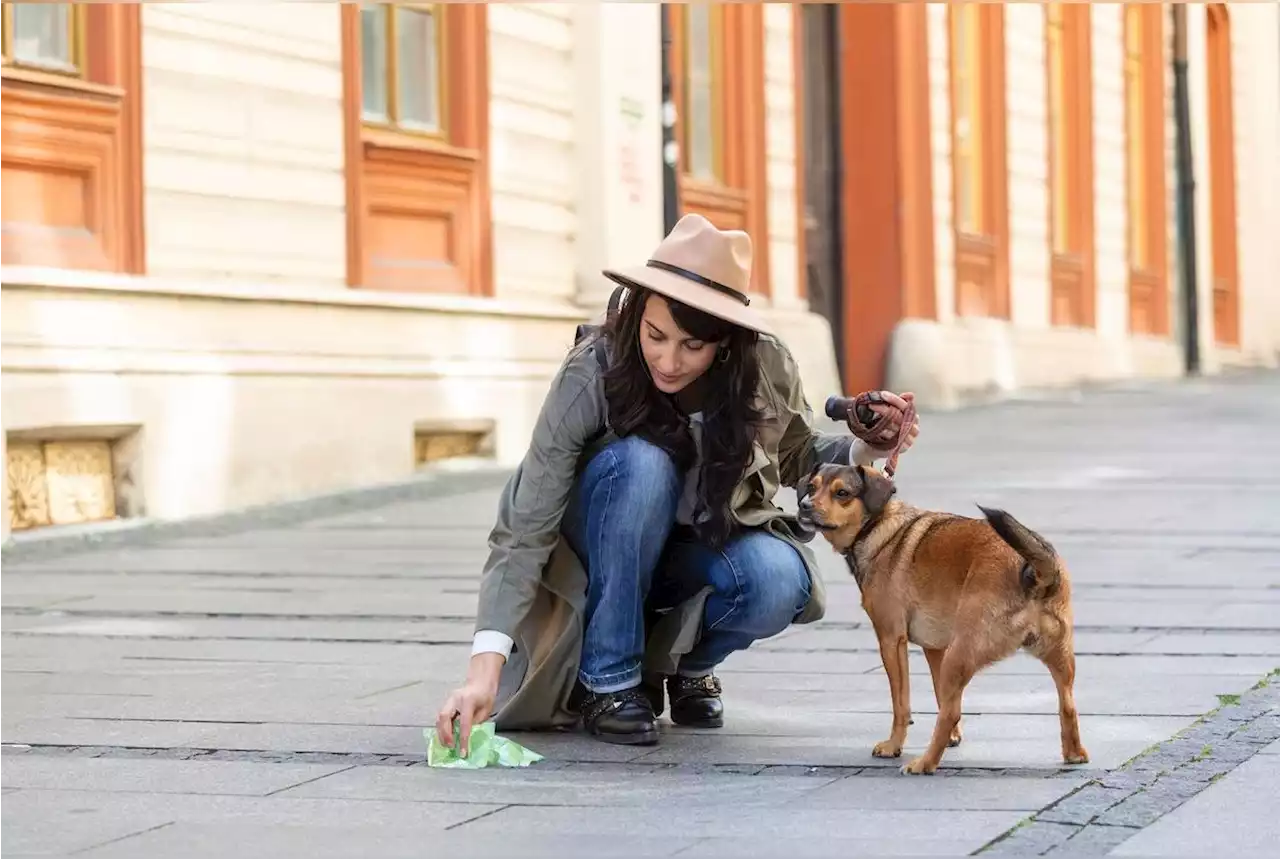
619, 521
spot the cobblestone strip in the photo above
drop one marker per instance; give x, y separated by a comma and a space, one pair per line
1110, 809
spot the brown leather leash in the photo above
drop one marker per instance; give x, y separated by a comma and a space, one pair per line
867, 425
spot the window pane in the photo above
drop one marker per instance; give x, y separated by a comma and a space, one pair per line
418, 69
1059, 142
1135, 109
373, 61
699, 102
42, 35
965, 60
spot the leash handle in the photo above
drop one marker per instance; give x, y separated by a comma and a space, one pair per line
864, 423
908, 421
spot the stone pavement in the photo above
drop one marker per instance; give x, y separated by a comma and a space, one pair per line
262, 689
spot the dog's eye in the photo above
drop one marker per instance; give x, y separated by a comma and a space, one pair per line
843, 494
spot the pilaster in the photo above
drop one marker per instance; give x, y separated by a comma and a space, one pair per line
617, 59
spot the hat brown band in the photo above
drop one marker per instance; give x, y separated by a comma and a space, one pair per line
697, 278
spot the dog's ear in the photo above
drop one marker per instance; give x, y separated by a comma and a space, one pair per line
876, 490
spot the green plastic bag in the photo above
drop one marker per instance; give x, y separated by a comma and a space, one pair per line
487, 750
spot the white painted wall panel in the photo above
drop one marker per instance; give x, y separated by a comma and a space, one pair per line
780, 140
243, 146
1028, 153
1110, 173
532, 145
940, 125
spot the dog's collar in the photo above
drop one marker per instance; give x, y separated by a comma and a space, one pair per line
851, 555
866, 527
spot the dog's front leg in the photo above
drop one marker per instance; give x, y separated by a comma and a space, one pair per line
893, 653
934, 658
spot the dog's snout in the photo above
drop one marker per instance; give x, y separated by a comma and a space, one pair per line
806, 504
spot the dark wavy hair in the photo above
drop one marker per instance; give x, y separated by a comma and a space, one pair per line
730, 418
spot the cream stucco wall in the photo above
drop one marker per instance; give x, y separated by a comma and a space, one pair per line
1256, 92
242, 143
245, 395
1028, 167
531, 122
1256, 84
251, 371
780, 145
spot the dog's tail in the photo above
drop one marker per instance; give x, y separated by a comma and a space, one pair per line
1040, 574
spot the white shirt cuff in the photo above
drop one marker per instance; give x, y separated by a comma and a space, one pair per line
492, 641
861, 453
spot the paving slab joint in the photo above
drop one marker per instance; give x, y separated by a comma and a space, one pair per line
1108, 810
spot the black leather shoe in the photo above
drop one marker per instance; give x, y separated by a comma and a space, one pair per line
695, 701
624, 717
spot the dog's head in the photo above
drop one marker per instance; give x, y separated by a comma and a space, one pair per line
839, 499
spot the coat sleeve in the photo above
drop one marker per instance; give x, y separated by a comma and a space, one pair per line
802, 445
533, 502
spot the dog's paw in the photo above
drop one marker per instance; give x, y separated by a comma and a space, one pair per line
887, 749
957, 737
1079, 756
919, 766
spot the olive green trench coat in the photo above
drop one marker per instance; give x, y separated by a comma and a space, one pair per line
534, 586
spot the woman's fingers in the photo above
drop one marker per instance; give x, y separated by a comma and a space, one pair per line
444, 719
464, 727
894, 405
893, 399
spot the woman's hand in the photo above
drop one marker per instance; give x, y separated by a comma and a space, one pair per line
471, 703
896, 406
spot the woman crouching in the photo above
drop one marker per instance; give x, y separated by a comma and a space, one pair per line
637, 544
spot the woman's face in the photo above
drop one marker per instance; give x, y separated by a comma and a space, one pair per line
675, 358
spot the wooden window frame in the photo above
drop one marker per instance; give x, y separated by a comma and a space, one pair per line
78, 41
1223, 226
982, 257
739, 198
418, 202
1145, 161
719, 131
1071, 268
72, 146
393, 78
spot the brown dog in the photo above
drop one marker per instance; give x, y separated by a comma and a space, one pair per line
970, 592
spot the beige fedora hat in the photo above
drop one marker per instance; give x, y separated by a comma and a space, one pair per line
702, 266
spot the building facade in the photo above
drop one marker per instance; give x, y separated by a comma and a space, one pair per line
252, 253
1006, 210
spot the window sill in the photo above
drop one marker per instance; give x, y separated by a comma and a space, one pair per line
378, 138
74, 280
52, 81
